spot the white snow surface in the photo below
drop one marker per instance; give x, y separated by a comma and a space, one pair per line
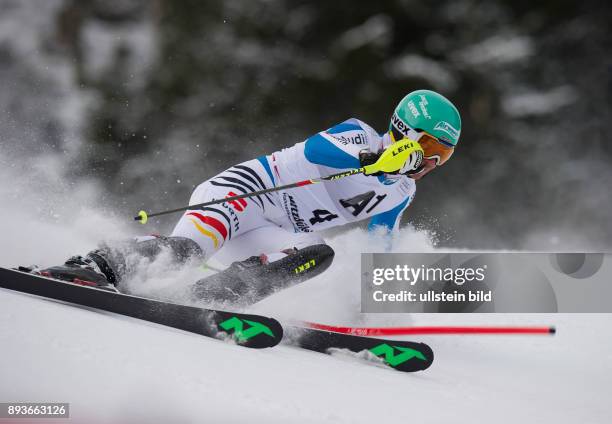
121, 370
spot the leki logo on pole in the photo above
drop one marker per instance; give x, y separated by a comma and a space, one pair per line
345, 174
242, 334
394, 360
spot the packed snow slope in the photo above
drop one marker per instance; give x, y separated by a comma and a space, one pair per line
116, 369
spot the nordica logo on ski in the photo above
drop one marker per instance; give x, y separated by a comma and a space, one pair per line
394, 360
255, 328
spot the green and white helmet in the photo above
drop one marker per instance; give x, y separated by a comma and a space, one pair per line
427, 111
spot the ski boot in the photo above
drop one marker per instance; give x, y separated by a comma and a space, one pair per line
107, 266
85, 271
249, 281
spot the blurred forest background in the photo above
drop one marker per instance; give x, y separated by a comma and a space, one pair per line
150, 97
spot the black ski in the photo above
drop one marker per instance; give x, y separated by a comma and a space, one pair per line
398, 354
252, 331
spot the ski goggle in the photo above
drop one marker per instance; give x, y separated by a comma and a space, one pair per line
433, 147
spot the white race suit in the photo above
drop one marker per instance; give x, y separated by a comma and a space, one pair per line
291, 218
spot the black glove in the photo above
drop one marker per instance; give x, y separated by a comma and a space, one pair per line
368, 158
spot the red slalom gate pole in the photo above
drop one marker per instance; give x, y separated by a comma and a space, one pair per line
400, 331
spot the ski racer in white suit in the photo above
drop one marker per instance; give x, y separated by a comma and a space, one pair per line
281, 227
288, 218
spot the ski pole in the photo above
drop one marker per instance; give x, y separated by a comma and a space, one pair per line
391, 160
401, 331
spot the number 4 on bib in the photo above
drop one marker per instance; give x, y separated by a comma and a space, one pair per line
321, 215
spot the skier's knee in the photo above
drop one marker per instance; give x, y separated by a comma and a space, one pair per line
181, 248
258, 277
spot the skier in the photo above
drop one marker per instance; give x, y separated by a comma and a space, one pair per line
283, 226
